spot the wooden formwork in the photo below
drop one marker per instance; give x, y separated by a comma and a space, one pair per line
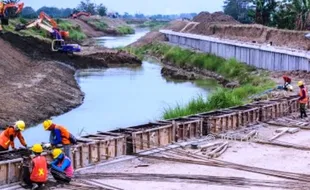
293, 104
92, 149
151, 135
186, 127
247, 114
10, 171
268, 110
219, 121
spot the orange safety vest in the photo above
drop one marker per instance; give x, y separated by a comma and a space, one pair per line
39, 171
1, 8
305, 100
64, 134
5, 139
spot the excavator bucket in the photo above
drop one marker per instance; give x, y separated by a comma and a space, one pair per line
4, 21
19, 27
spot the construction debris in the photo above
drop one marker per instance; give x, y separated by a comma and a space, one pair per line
282, 132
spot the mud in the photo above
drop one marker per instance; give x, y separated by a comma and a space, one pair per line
37, 83
192, 73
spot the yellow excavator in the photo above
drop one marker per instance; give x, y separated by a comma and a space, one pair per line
9, 10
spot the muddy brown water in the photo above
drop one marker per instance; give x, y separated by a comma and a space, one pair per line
122, 97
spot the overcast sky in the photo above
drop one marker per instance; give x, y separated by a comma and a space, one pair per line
139, 6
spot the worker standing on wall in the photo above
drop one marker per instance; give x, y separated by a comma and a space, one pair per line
38, 176
287, 82
8, 135
61, 167
60, 135
303, 99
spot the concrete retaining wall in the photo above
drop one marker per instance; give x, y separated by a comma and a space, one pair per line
261, 56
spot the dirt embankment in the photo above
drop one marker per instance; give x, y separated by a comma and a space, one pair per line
223, 26
96, 26
35, 85
33, 90
86, 28
153, 36
90, 57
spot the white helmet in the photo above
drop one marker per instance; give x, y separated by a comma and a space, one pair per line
290, 87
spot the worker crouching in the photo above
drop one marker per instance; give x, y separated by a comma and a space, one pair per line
10, 133
59, 135
61, 167
38, 176
287, 83
303, 99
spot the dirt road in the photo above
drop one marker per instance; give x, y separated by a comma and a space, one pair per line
88, 30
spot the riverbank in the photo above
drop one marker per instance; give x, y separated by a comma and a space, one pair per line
240, 80
95, 26
41, 82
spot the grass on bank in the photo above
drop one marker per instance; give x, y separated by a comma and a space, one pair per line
98, 24
252, 82
125, 30
154, 25
75, 31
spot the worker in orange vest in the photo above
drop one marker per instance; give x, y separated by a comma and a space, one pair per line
303, 99
38, 176
59, 135
8, 135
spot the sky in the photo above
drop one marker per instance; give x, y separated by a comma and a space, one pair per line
139, 6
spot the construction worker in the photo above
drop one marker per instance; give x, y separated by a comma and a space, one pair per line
8, 135
303, 99
1, 10
287, 82
59, 135
61, 167
38, 176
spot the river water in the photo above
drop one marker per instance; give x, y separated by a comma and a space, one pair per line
121, 97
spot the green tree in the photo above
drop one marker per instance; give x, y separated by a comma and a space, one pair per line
301, 10
238, 9
29, 12
102, 10
283, 17
262, 11
87, 6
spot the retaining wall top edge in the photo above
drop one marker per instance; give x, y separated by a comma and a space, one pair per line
293, 52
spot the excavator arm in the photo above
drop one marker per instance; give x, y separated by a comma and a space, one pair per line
43, 16
58, 44
76, 15
5, 7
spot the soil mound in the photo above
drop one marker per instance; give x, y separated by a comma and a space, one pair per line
216, 17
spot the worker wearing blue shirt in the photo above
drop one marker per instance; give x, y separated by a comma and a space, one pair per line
62, 169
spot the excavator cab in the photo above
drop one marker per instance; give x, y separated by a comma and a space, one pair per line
60, 46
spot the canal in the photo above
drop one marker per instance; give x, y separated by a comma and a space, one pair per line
121, 97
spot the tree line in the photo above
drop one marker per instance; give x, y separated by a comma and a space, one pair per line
284, 14
86, 6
